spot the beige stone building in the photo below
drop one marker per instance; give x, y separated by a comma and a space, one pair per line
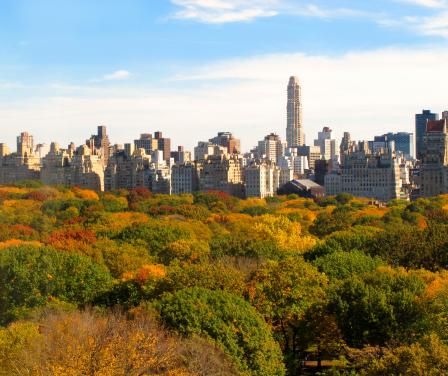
369, 175
271, 148
261, 179
22, 165
128, 171
73, 168
205, 149
222, 173
56, 165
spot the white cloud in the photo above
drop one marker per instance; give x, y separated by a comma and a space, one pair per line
11, 85
366, 93
117, 75
427, 3
433, 26
224, 11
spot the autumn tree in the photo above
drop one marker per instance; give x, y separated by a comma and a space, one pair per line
429, 357
230, 321
30, 276
283, 292
87, 343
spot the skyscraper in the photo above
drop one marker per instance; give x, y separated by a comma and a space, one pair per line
420, 129
294, 127
404, 143
227, 140
346, 143
25, 144
271, 148
326, 143
434, 168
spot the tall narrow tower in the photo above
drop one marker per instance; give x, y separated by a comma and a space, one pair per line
294, 130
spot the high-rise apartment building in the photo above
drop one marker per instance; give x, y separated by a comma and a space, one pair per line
127, 171
346, 143
99, 144
181, 155
163, 144
434, 168
227, 140
185, 177
73, 168
222, 173
404, 143
144, 142
204, 149
294, 127
311, 152
271, 148
25, 144
420, 129
153, 143
326, 143
261, 179
24, 164
364, 174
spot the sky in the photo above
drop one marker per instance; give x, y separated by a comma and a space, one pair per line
191, 68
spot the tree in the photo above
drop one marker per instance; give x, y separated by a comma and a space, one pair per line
210, 275
339, 219
379, 306
228, 320
341, 265
30, 276
283, 292
87, 343
155, 236
428, 357
410, 246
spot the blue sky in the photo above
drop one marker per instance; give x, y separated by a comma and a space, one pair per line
193, 67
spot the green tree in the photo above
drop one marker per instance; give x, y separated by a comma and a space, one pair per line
341, 265
230, 321
413, 247
210, 275
339, 219
376, 307
30, 276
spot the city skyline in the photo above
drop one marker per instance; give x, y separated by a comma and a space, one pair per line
209, 66
283, 135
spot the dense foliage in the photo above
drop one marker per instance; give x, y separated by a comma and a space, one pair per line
208, 284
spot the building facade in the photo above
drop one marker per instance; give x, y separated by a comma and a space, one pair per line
228, 141
295, 135
434, 167
185, 177
271, 148
364, 174
326, 144
420, 129
222, 173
